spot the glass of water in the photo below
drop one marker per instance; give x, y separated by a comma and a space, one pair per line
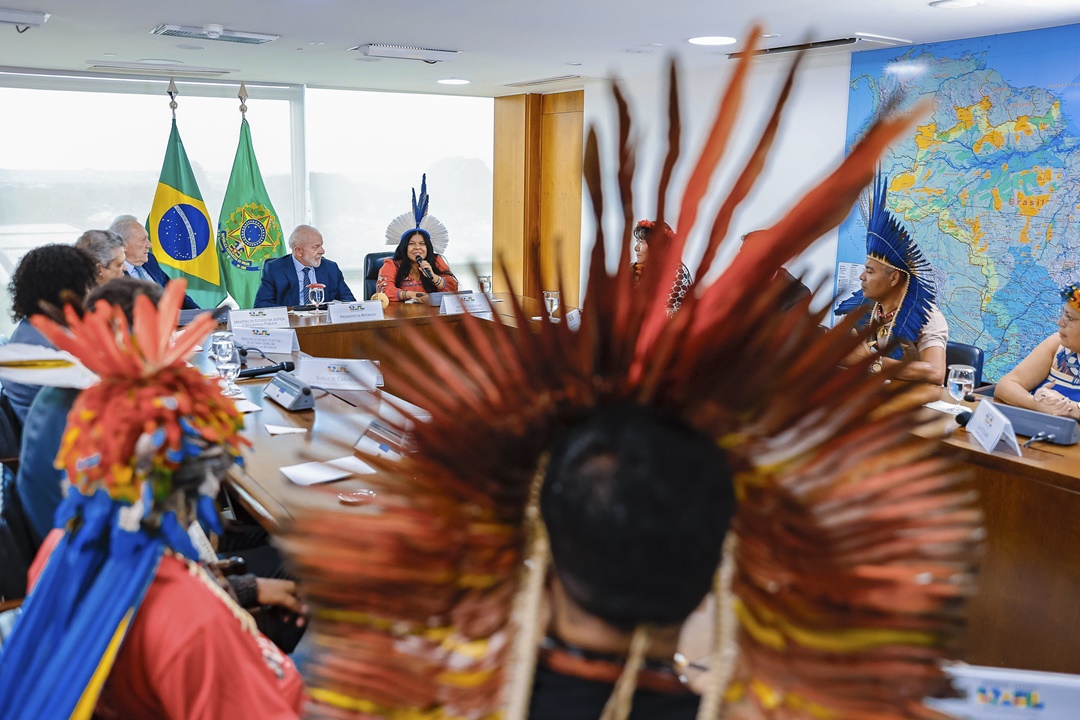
551, 302
221, 343
961, 381
228, 367
317, 293
485, 284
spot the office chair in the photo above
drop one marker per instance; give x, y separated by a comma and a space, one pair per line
961, 354
373, 262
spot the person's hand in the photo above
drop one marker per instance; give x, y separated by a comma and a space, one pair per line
280, 592
420, 296
1052, 402
425, 267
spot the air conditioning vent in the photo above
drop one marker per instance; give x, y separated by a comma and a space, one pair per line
544, 81
405, 52
134, 68
213, 32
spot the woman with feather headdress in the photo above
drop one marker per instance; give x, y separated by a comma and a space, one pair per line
417, 267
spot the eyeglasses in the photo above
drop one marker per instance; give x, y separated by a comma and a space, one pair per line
1064, 317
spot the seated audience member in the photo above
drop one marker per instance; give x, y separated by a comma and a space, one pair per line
795, 291
1048, 379
44, 275
649, 235
286, 280
898, 296
139, 261
107, 248
418, 267
145, 451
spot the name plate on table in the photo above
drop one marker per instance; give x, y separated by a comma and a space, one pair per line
340, 374
573, 319
989, 427
271, 340
473, 303
356, 311
277, 317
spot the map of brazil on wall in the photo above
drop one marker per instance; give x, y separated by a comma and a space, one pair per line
988, 184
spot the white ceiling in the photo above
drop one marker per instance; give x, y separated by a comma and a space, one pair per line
501, 41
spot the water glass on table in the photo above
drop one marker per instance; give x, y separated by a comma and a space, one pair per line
551, 303
317, 294
228, 367
961, 381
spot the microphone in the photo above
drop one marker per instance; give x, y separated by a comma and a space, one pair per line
287, 366
426, 271
962, 418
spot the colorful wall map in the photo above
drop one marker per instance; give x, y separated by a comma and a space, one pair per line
988, 184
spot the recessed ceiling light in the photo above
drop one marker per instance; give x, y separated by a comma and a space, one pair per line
641, 50
713, 40
191, 47
453, 81
160, 61
955, 3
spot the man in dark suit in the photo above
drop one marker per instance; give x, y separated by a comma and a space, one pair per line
139, 262
285, 279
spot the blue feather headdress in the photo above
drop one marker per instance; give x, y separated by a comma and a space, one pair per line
419, 221
891, 245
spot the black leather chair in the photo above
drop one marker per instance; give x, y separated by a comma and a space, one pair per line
373, 262
961, 354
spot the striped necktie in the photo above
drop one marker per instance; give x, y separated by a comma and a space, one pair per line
305, 297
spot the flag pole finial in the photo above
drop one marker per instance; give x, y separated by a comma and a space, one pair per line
173, 92
243, 95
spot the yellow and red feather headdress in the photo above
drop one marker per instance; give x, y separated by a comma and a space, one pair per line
855, 542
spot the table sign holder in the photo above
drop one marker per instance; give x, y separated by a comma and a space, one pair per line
990, 427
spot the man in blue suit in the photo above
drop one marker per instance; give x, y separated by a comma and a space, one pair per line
139, 262
285, 279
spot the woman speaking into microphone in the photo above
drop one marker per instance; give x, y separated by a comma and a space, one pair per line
417, 267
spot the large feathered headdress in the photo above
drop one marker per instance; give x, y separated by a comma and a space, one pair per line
419, 221
854, 542
891, 245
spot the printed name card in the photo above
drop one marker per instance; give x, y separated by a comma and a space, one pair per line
277, 317
473, 303
573, 319
339, 374
989, 426
356, 311
271, 340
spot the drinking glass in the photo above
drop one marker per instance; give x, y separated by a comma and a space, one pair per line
228, 367
317, 294
961, 381
551, 302
221, 343
485, 284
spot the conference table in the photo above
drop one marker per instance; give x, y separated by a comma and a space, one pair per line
1025, 615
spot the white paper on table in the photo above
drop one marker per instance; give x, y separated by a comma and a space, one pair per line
313, 473
275, 317
945, 407
244, 405
283, 429
989, 426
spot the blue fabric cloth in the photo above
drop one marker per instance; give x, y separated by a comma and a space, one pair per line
281, 283
38, 483
21, 395
154, 272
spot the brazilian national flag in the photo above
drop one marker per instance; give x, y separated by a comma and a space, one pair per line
249, 233
180, 229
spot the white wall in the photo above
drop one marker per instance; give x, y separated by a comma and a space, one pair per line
810, 143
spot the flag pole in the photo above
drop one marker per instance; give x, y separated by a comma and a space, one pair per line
173, 92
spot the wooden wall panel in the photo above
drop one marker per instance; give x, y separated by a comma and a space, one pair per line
560, 196
516, 195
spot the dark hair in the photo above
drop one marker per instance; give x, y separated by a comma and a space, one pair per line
46, 274
637, 505
646, 230
122, 292
405, 263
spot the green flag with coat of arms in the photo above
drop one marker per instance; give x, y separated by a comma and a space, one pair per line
249, 232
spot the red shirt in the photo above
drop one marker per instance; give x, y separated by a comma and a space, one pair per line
387, 282
189, 654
